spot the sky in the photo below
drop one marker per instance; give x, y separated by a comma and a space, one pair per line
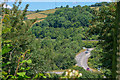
51, 4
60, 0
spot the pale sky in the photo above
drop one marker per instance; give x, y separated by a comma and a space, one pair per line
60, 0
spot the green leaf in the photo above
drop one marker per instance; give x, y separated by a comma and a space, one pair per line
40, 74
6, 30
29, 61
8, 62
7, 41
5, 49
36, 76
27, 68
4, 73
21, 74
4, 64
9, 76
13, 77
49, 75
23, 61
44, 77
22, 68
26, 76
9, 45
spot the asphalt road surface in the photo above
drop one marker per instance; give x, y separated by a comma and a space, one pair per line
82, 59
56, 72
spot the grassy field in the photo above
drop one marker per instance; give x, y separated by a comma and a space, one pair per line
36, 15
48, 11
30, 12
39, 15
96, 8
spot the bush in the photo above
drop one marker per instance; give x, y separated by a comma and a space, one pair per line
89, 44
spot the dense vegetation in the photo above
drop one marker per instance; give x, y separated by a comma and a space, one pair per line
30, 50
100, 4
61, 35
66, 18
106, 26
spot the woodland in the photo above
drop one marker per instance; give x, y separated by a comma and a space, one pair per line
30, 49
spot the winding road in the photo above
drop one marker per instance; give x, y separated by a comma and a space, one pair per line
82, 59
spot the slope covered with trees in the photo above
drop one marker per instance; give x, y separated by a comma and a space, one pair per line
26, 56
61, 34
61, 39
52, 44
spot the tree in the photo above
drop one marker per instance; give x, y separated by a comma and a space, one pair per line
61, 7
116, 47
67, 6
103, 26
16, 40
107, 27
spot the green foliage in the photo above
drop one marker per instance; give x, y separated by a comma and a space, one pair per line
21, 74
39, 75
61, 44
16, 39
49, 45
104, 26
57, 54
69, 17
89, 43
100, 4
96, 61
59, 38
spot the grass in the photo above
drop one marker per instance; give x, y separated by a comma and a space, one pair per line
48, 11
39, 20
36, 15
30, 12
96, 8
40, 15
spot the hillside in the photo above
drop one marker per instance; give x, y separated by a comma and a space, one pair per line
95, 8
36, 15
39, 15
34, 50
48, 11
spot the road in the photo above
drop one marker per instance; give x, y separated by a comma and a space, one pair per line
82, 59
56, 72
